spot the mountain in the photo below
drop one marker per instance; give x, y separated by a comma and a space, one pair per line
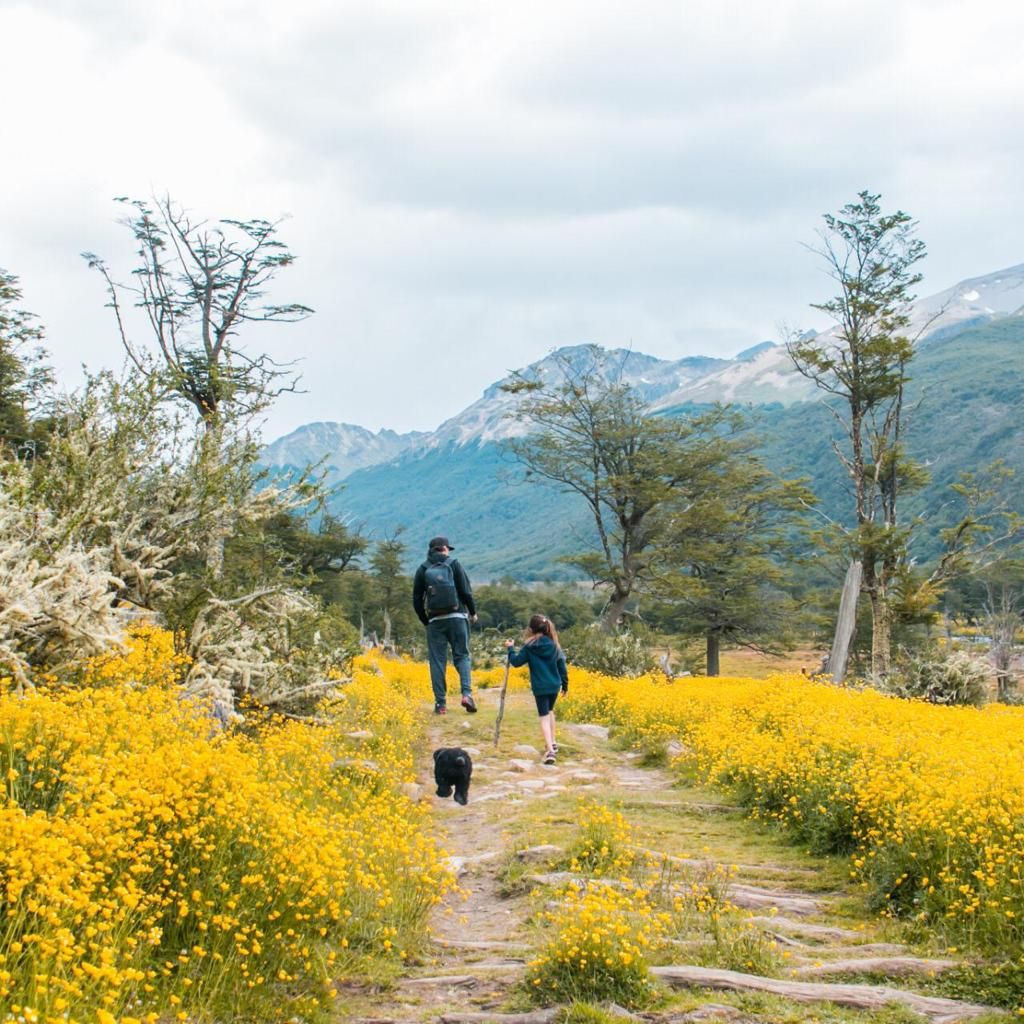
339, 448
964, 402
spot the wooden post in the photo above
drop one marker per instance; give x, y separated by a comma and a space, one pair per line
845, 622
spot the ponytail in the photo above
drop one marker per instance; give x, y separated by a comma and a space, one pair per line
541, 625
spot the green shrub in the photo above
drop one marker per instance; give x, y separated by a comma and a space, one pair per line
955, 678
612, 654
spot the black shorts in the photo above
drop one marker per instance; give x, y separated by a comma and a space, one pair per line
545, 703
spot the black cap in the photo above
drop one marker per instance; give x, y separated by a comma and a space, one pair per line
440, 542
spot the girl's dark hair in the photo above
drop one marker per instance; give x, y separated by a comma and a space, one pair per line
541, 625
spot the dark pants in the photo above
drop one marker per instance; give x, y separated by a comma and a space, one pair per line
545, 703
440, 634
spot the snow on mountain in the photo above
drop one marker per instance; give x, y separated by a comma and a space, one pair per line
971, 301
490, 417
761, 374
343, 447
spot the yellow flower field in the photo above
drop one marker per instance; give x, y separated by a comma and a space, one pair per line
155, 867
929, 801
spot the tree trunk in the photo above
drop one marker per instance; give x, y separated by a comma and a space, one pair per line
881, 635
846, 622
217, 535
613, 610
387, 628
714, 641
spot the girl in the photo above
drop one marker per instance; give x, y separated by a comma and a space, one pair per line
548, 674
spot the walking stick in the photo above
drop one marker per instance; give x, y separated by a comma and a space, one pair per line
501, 705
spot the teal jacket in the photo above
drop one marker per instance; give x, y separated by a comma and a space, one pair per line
548, 672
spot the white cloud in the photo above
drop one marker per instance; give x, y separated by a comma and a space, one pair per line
473, 183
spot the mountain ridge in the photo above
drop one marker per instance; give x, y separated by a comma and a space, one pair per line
759, 375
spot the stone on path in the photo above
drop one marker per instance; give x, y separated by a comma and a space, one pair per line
864, 997
536, 1017
588, 729
751, 897
531, 784
896, 966
459, 865
490, 944
447, 981
413, 791
519, 765
525, 750
538, 854
825, 933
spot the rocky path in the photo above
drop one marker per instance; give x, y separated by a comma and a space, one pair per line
506, 840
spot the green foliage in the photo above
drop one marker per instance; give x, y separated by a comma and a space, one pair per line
587, 1013
24, 376
956, 677
725, 556
990, 984
626, 653
591, 434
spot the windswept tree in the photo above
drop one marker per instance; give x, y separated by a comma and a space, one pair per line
199, 284
722, 570
592, 435
861, 364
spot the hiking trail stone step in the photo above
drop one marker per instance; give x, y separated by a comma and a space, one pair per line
863, 997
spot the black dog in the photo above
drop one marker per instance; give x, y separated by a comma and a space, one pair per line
453, 767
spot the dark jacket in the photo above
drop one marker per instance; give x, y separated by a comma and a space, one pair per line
548, 672
467, 606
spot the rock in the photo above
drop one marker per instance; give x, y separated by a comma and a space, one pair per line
534, 1017
614, 1010
819, 932
472, 751
598, 731
360, 734
891, 966
531, 784
710, 1012
460, 865
674, 749
752, 897
413, 790
538, 854
522, 766
526, 750
481, 944
583, 775
448, 981
864, 997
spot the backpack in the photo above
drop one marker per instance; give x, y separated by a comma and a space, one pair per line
441, 595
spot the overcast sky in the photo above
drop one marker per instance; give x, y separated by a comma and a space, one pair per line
470, 184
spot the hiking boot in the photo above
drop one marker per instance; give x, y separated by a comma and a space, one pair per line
554, 748
549, 757
469, 704
440, 709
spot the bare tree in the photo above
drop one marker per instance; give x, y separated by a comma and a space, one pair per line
1003, 609
863, 363
198, 284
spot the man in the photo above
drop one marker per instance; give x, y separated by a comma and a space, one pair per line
443, 600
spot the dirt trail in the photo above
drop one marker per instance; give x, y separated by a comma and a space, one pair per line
483, 936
